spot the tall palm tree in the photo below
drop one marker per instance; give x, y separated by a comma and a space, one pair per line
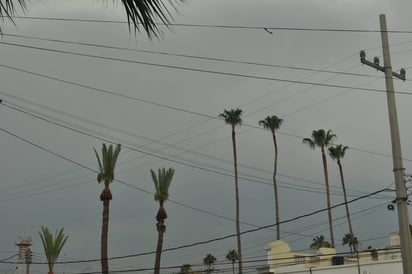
232, 256
337, 153
272, 123
209, 260
323, 140
162, 183
106, 175
319, 242
233, 118
52, 245
147, 13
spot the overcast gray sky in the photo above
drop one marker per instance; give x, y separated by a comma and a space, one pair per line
168, 111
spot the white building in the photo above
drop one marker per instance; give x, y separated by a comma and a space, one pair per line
282, 260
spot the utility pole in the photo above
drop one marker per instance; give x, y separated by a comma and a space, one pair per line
28, 259
25, 255
401, 194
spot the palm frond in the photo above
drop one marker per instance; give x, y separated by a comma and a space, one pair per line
8, 8
146, 12
309, 142
98, 160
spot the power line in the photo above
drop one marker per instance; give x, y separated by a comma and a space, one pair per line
251, 178
163, 105
189, 56
218, 26
201, 70
212, 169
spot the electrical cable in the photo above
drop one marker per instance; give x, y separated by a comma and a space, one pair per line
217, 26
214, 168
202, 70
190, 56
166, 106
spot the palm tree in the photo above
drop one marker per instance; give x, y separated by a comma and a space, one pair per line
52, 245
147, 13
352, 241
273, 123
209, 260
319, 242
323, 139
186, 268
337, 153
232, 256
233, 118
106, 175
162, 184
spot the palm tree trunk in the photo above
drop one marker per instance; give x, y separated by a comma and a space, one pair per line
325, 173
239, 244
345, 197
105, 228
233, 267
160, 229
275, 187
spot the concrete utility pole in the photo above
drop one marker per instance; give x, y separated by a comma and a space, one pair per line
401, 194
28, 259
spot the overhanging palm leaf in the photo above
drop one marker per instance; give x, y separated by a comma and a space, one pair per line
138, 12
52, 245
8, 7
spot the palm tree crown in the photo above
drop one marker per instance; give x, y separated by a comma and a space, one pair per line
337, 152
52, 245
271, 123
232, 255
186, 268
209, 260
106, 168
352, 241
320, 138
319, 242
162, 183
232, 116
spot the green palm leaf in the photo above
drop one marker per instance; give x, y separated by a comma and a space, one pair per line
143, 13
